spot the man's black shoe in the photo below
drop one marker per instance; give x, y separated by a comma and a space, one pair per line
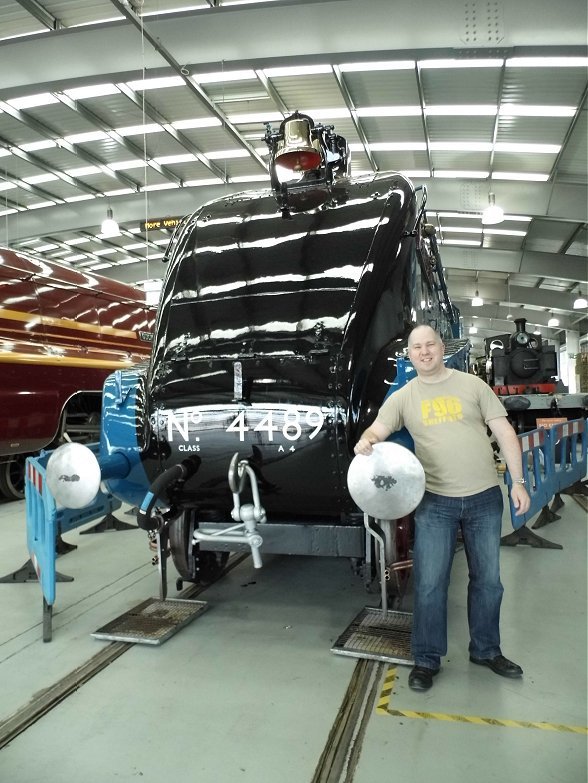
500, 665
421, 678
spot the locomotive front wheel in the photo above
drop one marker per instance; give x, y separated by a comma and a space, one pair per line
192, 563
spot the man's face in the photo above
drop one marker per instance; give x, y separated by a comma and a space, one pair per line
425, 351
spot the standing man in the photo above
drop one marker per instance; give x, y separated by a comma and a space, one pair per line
446, 413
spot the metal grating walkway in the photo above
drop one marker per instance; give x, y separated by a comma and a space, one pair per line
377, 636
152, 622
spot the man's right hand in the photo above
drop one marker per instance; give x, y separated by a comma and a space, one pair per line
363, 446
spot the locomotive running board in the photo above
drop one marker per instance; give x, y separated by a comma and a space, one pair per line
152, 622
377, 636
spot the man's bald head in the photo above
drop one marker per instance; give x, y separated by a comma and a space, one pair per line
423, 333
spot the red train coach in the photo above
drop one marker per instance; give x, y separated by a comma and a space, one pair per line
62, 332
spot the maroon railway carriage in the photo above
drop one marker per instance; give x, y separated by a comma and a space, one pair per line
62, 332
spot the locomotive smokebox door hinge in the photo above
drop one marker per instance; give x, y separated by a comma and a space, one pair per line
237, 381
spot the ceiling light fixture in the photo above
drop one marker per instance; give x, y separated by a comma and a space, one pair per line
477, 300
109, 227
553, 321
493, 213
473, 330
580, 302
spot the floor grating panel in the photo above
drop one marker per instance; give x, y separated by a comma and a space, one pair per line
152, 622
377, 636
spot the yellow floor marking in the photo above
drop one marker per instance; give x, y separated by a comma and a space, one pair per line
386, 692
383, 708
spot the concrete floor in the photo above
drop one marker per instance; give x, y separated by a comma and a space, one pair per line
249, 691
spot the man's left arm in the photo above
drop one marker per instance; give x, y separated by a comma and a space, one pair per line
510, 447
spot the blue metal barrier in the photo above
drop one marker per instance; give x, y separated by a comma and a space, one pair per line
45, 521
537, 472
567, 444
553, 459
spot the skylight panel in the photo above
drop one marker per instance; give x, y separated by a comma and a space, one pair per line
520, 110
461, 146
460, 110
202, 122
137, 130
41, 204
91, 91
251, 178
389, 111
390, 146
297, 70
133, 163
416, 173
451, 63
547, 62
119, 192
160, 186
386, 65
470, 242
223, 76
37, 179
83, 171
33, 146
222, 154
252, 118
197, 183
96, 267
31, 101
161, 83
457, 174
178, 10
82, 138
520, 176
505, 232
459, 215
340, 113
169, 159
462, 229
509, 146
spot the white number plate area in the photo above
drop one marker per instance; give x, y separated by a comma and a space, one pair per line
263, 425
291, 424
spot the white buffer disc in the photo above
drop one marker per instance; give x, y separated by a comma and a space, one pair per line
387, 484
73, 475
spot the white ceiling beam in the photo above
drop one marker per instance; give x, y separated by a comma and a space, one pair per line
529, 262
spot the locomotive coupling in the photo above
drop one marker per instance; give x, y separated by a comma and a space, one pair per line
246, 514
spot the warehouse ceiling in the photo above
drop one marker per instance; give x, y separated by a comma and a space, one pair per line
150, 108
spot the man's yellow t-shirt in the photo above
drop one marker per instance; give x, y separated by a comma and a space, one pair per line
447, 421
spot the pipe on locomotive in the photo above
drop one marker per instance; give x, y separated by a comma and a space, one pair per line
173, 475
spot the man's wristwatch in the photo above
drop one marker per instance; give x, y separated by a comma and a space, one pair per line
519, 481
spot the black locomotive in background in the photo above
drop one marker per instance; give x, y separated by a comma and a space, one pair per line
520, 359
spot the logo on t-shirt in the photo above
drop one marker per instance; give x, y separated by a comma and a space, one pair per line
441, 410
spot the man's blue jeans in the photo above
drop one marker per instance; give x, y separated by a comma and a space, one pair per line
437, 520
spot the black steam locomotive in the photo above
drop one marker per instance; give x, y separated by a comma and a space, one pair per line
283, 316
520, 359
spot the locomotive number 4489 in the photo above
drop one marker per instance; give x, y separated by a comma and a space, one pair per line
291, 423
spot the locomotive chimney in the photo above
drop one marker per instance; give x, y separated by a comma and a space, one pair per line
520, 324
